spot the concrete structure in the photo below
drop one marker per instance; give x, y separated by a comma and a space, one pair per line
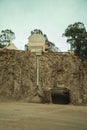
11, 46
36, 43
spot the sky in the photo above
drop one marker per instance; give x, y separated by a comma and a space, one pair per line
50, 16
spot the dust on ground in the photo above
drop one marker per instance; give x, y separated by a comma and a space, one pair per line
31, 116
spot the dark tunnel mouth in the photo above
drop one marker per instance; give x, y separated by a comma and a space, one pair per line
60, 97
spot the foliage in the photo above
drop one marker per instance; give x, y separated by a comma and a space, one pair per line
77, 38
2, 45
26, 47
36, 31
6, 37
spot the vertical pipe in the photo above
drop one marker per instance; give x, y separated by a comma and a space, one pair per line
37, 60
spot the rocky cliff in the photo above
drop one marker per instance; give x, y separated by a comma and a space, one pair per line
18, 76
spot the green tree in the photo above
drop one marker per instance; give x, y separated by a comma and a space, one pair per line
36, 31
6, 37
77, 38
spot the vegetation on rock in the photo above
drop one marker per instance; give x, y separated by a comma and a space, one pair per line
18, 75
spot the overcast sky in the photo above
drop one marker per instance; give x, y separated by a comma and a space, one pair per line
50, 16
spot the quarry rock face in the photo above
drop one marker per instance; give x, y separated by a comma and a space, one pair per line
56, 72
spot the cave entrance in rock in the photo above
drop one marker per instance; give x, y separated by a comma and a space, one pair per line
60, 96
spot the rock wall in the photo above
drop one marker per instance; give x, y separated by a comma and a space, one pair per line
18, 76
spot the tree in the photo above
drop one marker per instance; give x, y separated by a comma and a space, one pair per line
36, 31
77, 38
46, 38
6, 37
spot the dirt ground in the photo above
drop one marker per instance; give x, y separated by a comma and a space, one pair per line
29, 116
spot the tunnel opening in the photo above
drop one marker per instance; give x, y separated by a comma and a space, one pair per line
60, 96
